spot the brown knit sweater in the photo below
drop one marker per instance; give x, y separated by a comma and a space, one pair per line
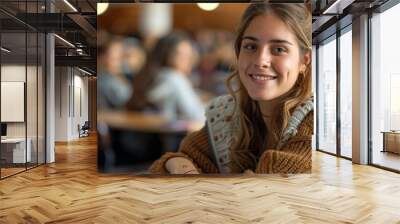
294, 157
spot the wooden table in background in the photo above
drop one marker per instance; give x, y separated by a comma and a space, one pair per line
154, 123
146, 130
391, 141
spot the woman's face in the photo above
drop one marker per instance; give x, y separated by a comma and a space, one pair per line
113, 58
183, 57
269, 59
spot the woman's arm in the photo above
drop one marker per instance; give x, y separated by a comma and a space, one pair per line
274, 161
192, 151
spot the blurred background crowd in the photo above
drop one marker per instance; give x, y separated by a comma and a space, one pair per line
166, 60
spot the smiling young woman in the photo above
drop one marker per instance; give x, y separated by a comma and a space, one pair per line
266, 124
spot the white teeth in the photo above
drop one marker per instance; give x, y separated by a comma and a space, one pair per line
262, 77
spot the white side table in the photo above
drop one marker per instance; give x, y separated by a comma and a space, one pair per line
18, 145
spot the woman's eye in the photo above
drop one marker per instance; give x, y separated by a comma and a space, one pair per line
250, 47
279, 50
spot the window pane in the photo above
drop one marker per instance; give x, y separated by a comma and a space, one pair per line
327, 97
346, 94
385, 88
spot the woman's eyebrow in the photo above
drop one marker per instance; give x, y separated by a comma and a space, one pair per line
279, 41
249, 38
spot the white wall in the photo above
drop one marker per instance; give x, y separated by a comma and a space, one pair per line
81, 101
71, 94
13, 73
61, 103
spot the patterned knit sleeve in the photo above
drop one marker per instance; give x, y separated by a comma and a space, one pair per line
194, 147
294, 157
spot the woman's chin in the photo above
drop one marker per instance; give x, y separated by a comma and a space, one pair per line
261, 96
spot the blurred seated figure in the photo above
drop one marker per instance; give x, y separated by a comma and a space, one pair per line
114, 90
134, 57
83, 130
161, 88
216, 61
163, 85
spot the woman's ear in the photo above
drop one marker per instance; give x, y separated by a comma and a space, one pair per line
307, 58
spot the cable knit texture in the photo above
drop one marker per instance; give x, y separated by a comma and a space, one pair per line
293, 157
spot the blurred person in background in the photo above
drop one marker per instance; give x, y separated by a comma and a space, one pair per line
114, 90
225, 59
134, 57
216, 59
120, 60
163, 84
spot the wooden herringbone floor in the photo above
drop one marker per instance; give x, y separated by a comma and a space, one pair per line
71, 191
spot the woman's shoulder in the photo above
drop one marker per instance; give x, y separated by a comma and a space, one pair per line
300, 122
164, 86
171, 75
306, 126
302, 113
309, 118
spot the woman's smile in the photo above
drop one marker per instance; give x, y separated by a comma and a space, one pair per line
262, 78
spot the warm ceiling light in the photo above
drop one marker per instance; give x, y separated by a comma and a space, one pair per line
101, 8
70, 5
208, 6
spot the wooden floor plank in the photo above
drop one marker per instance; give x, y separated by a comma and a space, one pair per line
71, 191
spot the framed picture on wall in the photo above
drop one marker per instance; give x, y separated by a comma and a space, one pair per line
12, 101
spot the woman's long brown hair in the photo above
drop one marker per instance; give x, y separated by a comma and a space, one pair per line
253, 129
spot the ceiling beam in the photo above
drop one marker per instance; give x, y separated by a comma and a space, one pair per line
84, 24
77, 61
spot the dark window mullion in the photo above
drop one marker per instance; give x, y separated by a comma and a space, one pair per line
26, 86
369, 89
317, 98
0, 96
338, 94
37, 90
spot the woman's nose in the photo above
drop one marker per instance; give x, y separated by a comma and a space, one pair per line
263, 59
